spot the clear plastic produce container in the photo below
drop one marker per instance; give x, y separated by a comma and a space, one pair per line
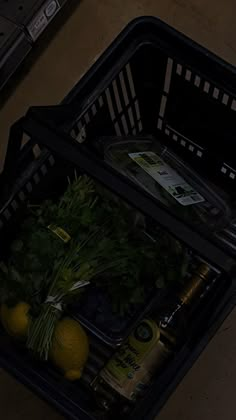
168, 179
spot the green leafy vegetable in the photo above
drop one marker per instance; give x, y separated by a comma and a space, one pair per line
106, 248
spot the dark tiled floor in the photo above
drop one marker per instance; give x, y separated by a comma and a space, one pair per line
18, 403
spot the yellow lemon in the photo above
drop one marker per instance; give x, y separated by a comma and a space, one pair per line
70, 348
16, 319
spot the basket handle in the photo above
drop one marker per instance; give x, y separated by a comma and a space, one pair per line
59, 114
62, 144
13, 154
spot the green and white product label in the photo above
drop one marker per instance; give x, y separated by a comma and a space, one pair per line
130, 369
167, 177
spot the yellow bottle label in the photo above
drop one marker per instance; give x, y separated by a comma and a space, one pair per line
130, 369
61, 233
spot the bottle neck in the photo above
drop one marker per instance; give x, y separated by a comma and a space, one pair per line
196, 285
173, 319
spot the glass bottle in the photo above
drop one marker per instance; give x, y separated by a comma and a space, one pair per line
128, 373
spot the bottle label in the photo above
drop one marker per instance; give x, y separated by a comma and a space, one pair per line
129, 371
167, 177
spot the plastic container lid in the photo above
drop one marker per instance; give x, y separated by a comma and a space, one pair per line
168, 179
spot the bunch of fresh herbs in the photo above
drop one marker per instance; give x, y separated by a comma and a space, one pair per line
106, 248
36, 250
84, 261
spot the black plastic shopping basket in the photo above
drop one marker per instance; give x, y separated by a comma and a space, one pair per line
151, 81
